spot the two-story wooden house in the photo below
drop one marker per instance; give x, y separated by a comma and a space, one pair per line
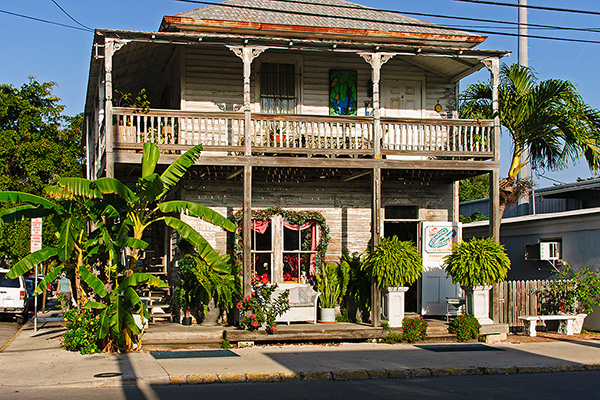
301, 106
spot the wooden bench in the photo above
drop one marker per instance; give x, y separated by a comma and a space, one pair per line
566, 323
303, 304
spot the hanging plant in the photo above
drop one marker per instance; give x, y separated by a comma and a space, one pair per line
477, 262
294, 217
394, 263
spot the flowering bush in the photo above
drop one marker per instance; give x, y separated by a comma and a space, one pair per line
262, 308
81, 334
414, 329
465, 327
571, 292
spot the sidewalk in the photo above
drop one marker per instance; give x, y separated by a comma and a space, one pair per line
36, 360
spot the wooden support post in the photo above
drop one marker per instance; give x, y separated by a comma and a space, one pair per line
247, 230
376, 240
109, 49
493, 65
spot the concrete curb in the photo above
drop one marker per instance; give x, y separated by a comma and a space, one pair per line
353, 375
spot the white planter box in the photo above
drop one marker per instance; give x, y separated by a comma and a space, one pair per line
392, 306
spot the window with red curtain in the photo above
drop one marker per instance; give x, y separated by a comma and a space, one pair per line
299, 251
261, 250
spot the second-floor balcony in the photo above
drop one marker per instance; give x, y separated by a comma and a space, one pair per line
308, 135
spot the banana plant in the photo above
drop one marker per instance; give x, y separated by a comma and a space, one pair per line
118, 328
143, 206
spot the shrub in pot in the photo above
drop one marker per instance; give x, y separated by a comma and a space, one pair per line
203, 290
332, 282
394, 264
477, 264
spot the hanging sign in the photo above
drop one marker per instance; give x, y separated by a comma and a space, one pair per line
36, 234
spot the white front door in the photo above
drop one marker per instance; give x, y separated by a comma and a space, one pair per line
401, 98
435, 288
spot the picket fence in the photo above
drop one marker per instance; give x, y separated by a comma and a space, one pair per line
510, 299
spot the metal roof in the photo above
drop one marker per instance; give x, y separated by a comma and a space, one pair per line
314, 17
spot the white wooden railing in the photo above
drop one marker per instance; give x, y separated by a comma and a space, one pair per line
307, 134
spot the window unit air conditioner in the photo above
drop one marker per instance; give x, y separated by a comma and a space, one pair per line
544, 251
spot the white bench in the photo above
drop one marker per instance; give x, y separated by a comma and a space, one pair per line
565, 327
303, 304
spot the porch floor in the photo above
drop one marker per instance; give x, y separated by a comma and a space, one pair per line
172, 336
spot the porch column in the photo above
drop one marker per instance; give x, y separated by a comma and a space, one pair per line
376, 240
247, 230
493, 65
111, 46
247, 54
376, 60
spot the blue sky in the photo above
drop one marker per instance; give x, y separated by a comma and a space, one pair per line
62, 55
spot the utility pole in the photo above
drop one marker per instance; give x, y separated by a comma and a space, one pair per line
523, 203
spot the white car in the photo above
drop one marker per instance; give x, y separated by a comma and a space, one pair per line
14, 298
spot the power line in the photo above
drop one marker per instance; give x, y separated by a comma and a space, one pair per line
425, 25
68, 15
46, 21
497, 3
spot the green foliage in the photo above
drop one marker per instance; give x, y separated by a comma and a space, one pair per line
474, 188
345, 317
476, 216
140, 101
465, 327
477, 262
414, 329
549, 118
571, 292
37, 146
394, 263
262, 308
332, 282
200, 283
391, 337
225, 344
359, 283
82, 328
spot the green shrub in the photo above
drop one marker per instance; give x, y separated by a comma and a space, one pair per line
225, 344
414, 329
262, 308
477, 262
332, 282
571, 292
394, 263
391, 337
465, 327
81, 334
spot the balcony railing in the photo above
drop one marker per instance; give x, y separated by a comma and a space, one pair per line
302, 134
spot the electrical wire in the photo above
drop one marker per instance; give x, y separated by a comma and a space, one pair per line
46, 21
498, 3
69, 15
425, 25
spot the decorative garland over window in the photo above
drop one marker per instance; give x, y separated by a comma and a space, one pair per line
294, 217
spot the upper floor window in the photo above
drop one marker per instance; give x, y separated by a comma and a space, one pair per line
277, 88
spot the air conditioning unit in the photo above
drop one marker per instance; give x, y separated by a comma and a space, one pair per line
544, 251
549, 251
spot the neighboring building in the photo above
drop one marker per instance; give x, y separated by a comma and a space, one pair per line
330, 107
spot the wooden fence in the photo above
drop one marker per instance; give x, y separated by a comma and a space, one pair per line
511, 299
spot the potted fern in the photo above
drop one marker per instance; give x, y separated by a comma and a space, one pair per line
394, 265
332, 282
476, 265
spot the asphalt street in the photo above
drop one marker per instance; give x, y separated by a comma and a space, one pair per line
517, 386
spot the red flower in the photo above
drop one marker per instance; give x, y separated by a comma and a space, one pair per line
272, 329
253, 316
264, 279
239, 306
247, 298
255, 324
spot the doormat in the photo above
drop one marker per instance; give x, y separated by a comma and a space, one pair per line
446, 348
163, 355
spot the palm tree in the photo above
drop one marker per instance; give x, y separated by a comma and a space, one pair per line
549, 118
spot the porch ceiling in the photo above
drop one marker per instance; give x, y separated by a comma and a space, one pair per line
204, 174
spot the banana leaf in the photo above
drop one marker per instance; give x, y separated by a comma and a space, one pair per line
131, 242
204, 249
20, 197
150, 188
198, 211
150, 157
114, 186
24, 212
92, 281
140, 278
79, 187
50, 276
66, 238
94, 305
179, 167
27, 263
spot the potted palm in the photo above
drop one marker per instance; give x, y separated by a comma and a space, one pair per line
476, 265
332, 282
394, 265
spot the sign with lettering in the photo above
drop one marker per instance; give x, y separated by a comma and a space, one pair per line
438, 238
36, 234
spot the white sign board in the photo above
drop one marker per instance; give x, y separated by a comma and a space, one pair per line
438, 238
36, 234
